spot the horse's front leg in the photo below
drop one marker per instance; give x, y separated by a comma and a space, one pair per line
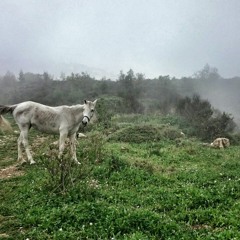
73, 140
62, 139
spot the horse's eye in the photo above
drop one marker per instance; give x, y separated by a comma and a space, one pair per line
92, 110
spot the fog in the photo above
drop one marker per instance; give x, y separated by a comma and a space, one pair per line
154, 37
224, 95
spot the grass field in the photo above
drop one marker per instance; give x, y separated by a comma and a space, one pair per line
130, 185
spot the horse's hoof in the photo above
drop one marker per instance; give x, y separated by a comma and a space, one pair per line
23, 162
32, 162
77, 162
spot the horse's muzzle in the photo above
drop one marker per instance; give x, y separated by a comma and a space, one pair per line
84, 123
85, 120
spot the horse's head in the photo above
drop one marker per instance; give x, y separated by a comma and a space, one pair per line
88, 111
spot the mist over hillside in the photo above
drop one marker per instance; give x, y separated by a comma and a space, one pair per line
56, 69
224, 95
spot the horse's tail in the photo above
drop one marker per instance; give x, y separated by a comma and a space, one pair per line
4, 124
7, 109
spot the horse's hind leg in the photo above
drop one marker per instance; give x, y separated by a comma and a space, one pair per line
20, 155
24, 135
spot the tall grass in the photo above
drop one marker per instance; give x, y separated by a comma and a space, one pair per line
165, 189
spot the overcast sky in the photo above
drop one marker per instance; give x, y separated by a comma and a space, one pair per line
154, 37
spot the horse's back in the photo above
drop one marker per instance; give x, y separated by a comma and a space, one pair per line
48, 119
37, 115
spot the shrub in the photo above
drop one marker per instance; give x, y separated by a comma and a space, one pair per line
206, 124
145, 133
105, 110
221, 125
61, 173
194, 109
64, 173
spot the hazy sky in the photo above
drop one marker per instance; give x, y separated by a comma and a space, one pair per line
154, 37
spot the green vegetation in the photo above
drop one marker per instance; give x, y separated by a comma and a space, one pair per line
196, 99
130, 185
140, 177
205, 122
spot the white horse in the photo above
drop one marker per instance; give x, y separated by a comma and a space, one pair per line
62, 120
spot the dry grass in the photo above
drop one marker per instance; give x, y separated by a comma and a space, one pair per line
10, 171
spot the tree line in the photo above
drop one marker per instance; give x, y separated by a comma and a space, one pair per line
133, 93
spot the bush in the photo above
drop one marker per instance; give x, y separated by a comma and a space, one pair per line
64, 173
106, 108
145, 133
61, 173
195, 109
221, 125
206, 124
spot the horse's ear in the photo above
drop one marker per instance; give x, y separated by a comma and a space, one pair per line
85, 101
95, 102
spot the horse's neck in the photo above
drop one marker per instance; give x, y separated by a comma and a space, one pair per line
78, 110
78, 107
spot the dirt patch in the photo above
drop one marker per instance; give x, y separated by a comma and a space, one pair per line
11, 171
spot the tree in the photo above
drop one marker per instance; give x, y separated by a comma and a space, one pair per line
207, 73
62, 76
129, 91
199, 115
8, 86
21, 77
195, 109
46, 77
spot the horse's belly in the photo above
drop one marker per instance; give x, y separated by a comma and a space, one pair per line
46, 128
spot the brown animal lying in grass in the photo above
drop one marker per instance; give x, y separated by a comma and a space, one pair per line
220, 143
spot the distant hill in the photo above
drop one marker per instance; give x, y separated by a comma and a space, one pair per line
53, 68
